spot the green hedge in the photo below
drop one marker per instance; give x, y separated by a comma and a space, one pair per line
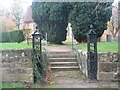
40, 67
13, 36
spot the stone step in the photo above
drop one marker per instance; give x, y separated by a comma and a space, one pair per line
63, 64
62, 59
62, 56
60, 52
67, 68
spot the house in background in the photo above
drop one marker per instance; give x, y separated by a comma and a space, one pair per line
29, 25
28, 21
107, 35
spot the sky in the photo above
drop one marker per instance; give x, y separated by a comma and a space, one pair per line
116, 2
4, 3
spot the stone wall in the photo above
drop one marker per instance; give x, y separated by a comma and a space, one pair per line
82, 61
107, 65
16, 65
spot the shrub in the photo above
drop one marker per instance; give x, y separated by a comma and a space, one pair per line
4, 37
13, 36
40, 67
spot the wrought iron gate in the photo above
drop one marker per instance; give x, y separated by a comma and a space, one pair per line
92, 54
36, 50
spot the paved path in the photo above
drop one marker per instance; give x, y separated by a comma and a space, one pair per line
74, 79
59, 48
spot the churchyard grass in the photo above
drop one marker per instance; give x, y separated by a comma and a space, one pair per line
101, 46
4, 46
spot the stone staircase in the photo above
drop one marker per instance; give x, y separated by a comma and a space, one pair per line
63, 61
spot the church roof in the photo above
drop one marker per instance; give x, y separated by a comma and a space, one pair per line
28, 15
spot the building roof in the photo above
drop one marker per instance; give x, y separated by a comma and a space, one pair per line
28, 15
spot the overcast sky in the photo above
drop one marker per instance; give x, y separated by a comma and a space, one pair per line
6, 4
116, 2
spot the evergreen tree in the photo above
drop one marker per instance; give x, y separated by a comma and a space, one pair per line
54, 17
85, 14
51, 18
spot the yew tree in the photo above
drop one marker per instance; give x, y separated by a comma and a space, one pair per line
85, 14
51, 18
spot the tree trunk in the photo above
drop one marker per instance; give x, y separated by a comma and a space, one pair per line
114, 37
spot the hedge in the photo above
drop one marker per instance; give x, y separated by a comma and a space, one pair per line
13, 36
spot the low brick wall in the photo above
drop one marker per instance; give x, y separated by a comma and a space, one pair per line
107, 64
16, 65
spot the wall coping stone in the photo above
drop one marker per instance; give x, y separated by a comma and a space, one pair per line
85, 52
22, 49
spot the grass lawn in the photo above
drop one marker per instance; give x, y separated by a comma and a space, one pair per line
18, 85
101, 46
11, 85
24, 85
14, 46
67, 42
22, 45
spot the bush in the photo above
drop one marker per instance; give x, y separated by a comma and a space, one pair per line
13, 36
40, 67
4, 37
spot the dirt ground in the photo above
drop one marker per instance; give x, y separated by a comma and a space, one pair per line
75, 79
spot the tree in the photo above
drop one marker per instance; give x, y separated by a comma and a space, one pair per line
6, 23
51, 18
113, 28
113, 23
84, 14
17, 12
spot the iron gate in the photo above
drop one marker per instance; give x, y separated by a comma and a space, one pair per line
36, 51
92, 54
